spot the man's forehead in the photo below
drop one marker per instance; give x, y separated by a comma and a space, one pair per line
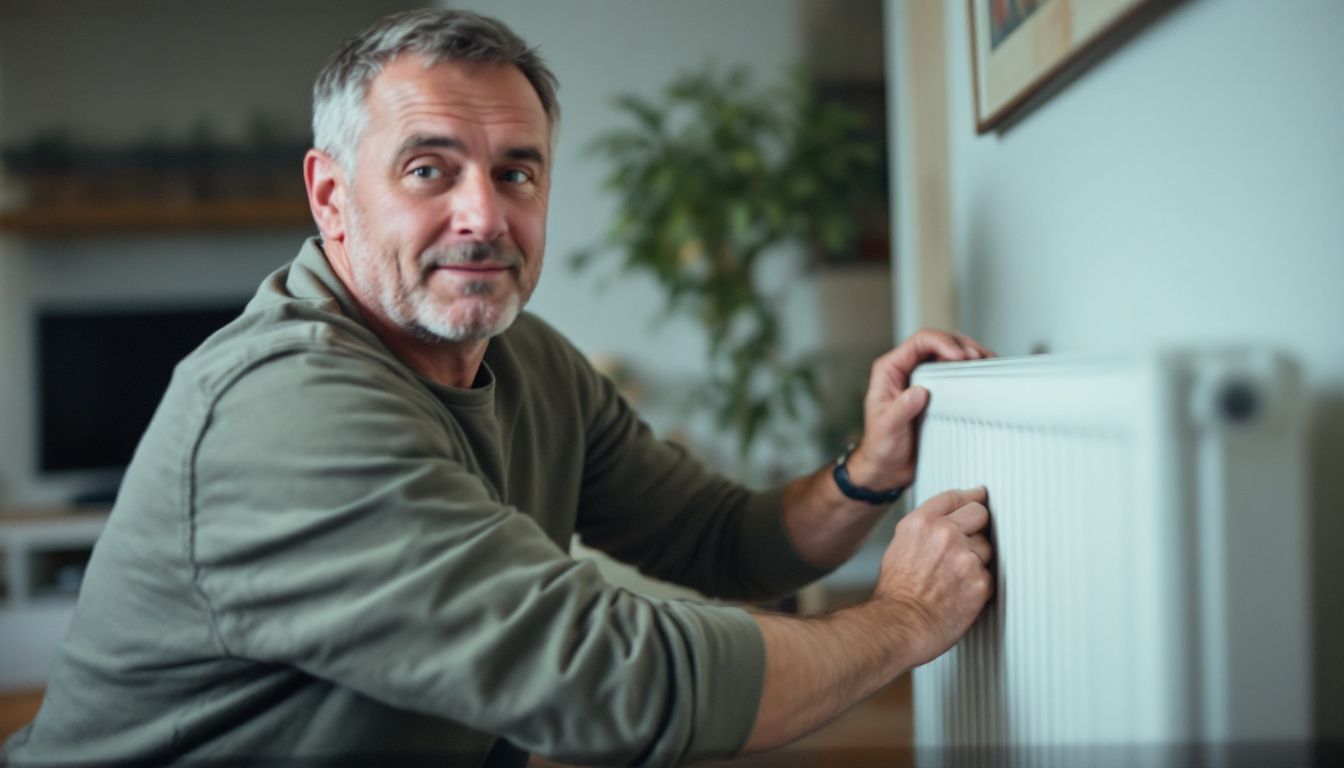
410, 88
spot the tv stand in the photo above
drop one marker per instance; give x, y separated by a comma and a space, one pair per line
96, 500
44, 552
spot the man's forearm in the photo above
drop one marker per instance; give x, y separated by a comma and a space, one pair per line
825, 526
818, 667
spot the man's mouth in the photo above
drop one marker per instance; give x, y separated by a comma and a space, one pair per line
481, 270
480, 260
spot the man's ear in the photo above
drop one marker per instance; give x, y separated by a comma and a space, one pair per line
326, 182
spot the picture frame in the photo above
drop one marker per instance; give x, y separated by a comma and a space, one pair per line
1024, 50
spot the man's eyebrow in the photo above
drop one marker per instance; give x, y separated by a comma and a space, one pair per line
526, 153
420, 141
413, 143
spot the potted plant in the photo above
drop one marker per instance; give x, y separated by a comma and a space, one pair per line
716, 178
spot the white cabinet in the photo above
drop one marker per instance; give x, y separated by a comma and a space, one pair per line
42, 560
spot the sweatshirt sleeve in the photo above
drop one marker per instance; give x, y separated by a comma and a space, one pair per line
651, 504
335, 529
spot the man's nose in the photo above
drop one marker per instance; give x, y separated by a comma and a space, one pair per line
477, 213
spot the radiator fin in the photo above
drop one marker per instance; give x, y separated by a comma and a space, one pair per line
1050, 669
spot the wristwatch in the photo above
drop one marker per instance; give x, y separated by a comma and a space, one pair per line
858, 492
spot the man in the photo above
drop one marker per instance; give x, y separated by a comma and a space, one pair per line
344, 533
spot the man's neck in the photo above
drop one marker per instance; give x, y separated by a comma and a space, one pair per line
447, 363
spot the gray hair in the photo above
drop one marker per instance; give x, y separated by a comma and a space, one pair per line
339, 113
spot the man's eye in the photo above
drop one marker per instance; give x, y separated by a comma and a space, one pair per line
515, 176
427, 172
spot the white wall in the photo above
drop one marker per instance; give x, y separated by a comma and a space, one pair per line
8, 377
111, 72
1187, 189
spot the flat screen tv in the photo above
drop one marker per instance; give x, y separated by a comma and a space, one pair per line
101, 372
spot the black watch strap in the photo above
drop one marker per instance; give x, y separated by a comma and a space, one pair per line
858, 492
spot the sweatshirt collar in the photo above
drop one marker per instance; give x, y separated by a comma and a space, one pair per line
311, 277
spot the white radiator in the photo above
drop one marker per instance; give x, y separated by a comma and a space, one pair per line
1150, 535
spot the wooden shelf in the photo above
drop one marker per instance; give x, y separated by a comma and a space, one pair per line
153, 216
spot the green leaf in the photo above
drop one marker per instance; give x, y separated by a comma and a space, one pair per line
644, 113
579, 259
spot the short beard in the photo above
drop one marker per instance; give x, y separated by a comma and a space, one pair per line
418, 313
379, 276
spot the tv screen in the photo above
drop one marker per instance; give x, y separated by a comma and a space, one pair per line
102, 372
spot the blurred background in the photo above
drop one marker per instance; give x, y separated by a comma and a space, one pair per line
153, 154
1187, 189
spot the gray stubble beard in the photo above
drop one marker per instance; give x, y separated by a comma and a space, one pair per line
417, 312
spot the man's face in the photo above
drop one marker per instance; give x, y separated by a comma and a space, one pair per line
447, 209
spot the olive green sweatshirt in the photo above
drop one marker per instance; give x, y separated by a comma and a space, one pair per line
316, 553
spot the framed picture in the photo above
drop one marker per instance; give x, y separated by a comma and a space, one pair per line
1020, 47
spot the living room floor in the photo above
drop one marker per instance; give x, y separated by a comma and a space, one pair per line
875, 733
17, 709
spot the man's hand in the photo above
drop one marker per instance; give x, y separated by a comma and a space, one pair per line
886, 456
935, 571
934, 582
825, 526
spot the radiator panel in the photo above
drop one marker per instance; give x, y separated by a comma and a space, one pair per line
1108, 492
